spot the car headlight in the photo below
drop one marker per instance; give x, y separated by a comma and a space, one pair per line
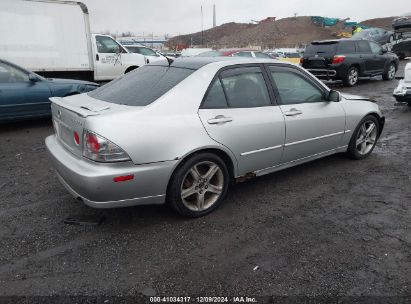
401, 89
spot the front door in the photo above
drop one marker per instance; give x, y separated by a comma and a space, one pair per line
238, 113
20, 97
108, 59
313, 124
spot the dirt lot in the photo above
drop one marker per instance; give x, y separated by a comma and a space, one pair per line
333, 227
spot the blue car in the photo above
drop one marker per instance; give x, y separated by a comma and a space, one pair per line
25, 95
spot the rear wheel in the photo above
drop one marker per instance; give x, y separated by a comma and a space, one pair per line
389, 74
351, 78
199, 185
364, 138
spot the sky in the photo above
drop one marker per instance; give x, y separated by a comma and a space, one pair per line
176, 17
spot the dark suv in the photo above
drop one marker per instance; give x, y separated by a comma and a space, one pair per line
349, 59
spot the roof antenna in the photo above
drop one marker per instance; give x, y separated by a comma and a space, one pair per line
169, 60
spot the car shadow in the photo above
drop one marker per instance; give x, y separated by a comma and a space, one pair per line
152, 215
26, 124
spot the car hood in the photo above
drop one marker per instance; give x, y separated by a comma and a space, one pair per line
71, 81
355, 97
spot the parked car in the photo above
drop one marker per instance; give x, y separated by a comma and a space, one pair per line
190, 52
24, 94
403, 91
376, 34
402, 22
247, 53
294, 57
197, 124
235, 53
349, 59
150, 54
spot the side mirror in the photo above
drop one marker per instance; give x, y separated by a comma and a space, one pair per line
334, 96
33, 78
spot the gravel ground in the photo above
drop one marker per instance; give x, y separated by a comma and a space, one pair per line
332, 227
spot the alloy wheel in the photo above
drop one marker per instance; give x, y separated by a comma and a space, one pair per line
202, 186
353, 76
391, 72
366, 137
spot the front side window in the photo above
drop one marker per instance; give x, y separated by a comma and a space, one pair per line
141, 86
294, 88
375, 48
9, 74
108, 45
245, 87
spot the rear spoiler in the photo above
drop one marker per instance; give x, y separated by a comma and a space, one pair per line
84, 110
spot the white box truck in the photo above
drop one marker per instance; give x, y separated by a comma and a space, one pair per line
52, 38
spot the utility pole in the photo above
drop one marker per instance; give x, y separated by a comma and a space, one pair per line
202, 29
214, 16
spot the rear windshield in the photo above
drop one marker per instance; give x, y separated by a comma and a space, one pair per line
324, 48
141, 86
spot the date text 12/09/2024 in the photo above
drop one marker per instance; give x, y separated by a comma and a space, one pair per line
238, 299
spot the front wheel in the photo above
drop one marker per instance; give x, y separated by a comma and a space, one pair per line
351, 78
389, 74
199, 185
364, 138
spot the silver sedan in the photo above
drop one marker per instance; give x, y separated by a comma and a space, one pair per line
180, 132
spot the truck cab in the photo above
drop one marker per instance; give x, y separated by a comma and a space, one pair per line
111, 59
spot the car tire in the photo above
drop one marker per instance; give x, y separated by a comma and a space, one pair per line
364, 139
203, 193
351, 78
389, 74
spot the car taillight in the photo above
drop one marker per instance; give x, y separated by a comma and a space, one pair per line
98, 148
301, 60
338, 59
76, 138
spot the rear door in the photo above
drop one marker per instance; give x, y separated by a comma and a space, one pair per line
20, 97
313, 124
238, 112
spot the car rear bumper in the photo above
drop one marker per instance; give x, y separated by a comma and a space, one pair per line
93, 182
323, 73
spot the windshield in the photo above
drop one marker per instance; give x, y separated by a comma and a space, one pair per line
141, 86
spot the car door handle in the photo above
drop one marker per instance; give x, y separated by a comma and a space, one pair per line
219, 119
293, 112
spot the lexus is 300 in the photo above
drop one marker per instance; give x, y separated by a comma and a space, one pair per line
180, 132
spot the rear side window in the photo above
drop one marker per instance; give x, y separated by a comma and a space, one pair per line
141, 86
364, 46
243, 54
321, 49
245, 87
346, 47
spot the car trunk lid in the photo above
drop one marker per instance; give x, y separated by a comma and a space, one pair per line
69, 116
